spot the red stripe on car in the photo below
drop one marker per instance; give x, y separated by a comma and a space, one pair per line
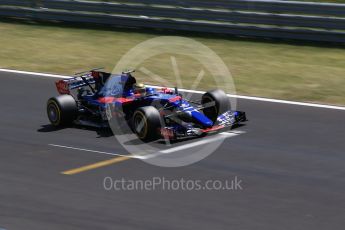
173, 99
214, 128
114, 99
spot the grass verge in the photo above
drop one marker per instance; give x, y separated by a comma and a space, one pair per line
268, 69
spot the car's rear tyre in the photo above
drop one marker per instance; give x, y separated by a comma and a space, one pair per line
62, 110
219, 103
146, 123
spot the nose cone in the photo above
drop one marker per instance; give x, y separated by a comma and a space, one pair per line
202, 119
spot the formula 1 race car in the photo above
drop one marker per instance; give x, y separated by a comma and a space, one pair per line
151, 112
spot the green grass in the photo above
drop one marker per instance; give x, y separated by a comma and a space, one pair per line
326, 1
282, 71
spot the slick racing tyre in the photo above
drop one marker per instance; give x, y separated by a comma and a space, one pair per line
62, 110
215, 102
146, 123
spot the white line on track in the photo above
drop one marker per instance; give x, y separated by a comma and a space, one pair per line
198, 92
94, 151
201, 142
34, 73
267, 100
207, 140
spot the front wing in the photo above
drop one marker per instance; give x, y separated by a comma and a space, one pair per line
228, 119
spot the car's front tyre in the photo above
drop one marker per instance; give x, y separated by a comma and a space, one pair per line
146, 123
215, 102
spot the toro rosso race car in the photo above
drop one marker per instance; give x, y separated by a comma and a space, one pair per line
151, 113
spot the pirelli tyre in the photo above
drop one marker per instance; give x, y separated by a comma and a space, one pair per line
146, 123
62, 110
215, 102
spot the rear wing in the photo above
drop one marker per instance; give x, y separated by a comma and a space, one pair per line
93, 77
66, 85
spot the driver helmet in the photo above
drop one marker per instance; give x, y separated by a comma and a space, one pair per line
139, 88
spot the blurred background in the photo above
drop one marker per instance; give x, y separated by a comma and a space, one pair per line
279, 49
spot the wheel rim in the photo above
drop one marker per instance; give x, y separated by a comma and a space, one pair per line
54, 113
140, 125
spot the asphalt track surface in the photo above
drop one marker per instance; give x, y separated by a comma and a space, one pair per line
290, 160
